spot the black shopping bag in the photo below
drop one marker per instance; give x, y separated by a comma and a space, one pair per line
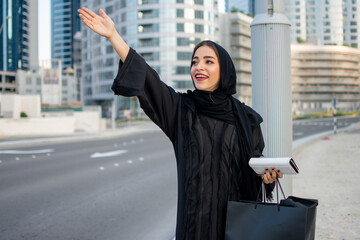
293, 219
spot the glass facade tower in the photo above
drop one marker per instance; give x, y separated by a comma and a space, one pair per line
65, 22
15, 35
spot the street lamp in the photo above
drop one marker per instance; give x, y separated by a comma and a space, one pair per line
2, 25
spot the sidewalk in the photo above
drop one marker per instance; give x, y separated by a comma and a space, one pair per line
330, 172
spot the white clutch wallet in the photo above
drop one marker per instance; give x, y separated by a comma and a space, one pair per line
285, 165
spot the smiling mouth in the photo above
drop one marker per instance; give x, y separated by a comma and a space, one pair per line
200, 77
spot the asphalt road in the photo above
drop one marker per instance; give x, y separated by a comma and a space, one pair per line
120, 188
115, 188
308, 127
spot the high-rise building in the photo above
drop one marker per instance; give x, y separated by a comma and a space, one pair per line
351, 16
65, 22
236, 38
324, 22
163, 32
18, 35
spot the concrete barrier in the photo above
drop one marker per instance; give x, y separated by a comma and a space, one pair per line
89, 122
37, 126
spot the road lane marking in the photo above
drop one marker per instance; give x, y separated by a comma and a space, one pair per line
129, 161
107, 154
298, 134
141, 158
116, 165
101, 168
26, 151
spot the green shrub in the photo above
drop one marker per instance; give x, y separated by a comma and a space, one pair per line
23, 115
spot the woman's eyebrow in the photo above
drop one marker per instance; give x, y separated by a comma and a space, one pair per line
196, 57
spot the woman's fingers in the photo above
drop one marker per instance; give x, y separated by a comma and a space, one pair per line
88, 11
102, 13
84, 16
270, 176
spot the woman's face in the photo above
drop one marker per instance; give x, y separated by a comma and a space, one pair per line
205, 69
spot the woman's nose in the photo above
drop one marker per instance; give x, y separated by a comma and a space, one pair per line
200, 65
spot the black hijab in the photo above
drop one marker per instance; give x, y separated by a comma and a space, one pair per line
220, 104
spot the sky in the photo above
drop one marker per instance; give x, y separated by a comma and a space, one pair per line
44, 30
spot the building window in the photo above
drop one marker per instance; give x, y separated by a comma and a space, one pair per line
183, 41
146, 14
199, 14
180, 70
199, 2
123, 17
148, 42
123, 30
353, 37
180, 27
181, 56
150, 56
184, 84
144, 2
146, 28
199, 28
180, 13
109, 10
109, 49
28, 81
179, 1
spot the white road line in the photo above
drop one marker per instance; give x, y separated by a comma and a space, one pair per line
116, 165
0, 161
26, 151
298, 134
129, 161
101, 168
141, 158
107, 154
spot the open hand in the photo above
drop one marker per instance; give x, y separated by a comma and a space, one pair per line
102, 25
271, 174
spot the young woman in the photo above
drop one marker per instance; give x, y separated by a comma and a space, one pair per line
213, 134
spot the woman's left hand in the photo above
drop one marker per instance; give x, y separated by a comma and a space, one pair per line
271, 174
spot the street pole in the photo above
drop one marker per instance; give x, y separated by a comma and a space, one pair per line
271, 79
113, 114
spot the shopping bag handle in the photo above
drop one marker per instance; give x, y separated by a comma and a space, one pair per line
263, 190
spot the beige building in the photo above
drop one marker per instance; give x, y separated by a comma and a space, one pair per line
235, 32
323, 73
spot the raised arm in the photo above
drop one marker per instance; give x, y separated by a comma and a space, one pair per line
104, 26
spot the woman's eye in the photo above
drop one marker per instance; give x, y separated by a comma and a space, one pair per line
209, 62
193, 63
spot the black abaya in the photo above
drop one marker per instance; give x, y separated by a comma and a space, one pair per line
210, 171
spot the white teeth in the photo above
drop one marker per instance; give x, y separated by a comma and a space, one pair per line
200, 75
